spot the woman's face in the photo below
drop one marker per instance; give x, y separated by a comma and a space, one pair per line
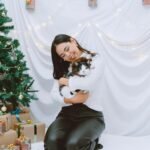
68, 51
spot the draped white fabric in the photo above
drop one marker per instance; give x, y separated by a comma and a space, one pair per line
118, 29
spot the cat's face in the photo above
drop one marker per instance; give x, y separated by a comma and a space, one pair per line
69, 51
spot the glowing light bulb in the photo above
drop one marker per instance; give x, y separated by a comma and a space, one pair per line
79, 24
44, 24
97, 25
99, 34
88, 24
118, 10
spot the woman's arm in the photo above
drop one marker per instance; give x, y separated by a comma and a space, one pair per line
55, 95
80, 97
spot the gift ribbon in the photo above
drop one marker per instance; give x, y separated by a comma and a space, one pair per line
18, 128
22, 138
16, 113
25, 140
35, 133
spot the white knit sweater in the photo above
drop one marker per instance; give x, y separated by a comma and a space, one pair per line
89, 83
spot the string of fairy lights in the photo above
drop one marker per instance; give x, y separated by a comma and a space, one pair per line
50, 21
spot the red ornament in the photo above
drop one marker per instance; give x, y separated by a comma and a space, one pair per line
92, 3
146, 2
30, 4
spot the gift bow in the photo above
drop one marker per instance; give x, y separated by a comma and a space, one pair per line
22, 138
11, 146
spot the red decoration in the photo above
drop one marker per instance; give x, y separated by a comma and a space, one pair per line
30, 4
92, 3
146, 2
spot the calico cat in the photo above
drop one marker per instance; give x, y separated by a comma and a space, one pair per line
81, 68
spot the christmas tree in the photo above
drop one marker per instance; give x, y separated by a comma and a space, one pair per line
15, 82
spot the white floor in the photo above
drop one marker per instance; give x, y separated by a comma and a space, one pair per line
112, 142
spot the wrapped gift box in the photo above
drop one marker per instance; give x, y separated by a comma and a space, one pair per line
34, 131
8, 137
7, 119
22, 116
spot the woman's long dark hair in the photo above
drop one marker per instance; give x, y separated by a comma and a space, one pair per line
59, 65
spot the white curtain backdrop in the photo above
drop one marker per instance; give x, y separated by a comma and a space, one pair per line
118, 29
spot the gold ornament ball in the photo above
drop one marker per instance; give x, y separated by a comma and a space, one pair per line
29, 121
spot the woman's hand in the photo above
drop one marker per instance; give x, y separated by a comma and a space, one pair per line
63, 81
80, 97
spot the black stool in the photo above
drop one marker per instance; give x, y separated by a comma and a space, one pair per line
98, 145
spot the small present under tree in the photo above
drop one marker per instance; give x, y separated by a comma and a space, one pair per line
15, 82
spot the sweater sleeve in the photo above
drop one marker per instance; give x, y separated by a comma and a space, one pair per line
88, 82
55, 95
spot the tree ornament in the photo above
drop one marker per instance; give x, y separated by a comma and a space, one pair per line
4, 89
13, 56
29, 121
20, 96
8, 43
3, 14
4, 108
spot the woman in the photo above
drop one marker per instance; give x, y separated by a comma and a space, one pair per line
80, 122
